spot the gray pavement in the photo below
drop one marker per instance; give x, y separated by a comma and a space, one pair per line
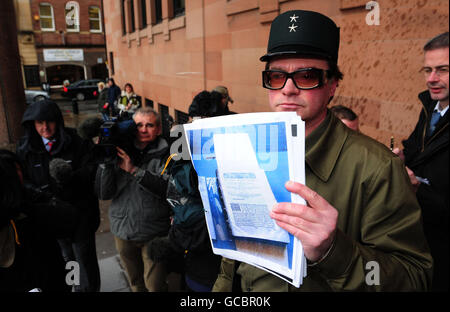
112, 275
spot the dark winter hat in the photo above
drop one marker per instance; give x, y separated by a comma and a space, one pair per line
43, 110
305, 33
224, 91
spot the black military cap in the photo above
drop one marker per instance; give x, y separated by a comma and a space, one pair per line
305, 33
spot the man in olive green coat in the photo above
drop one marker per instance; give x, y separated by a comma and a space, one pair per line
361, 228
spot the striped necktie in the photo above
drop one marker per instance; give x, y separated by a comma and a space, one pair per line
434, 120
49, 145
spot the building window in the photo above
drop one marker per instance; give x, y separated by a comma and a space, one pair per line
181, 118
133, 28
72, 15
32, 78
164, 113
46, 17
111, 62
95, 22
124, 24
149, 103
144, 13
158, 11
179, 7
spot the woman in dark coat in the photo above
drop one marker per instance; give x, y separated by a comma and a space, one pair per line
104, 109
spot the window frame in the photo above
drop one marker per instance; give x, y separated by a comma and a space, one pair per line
99, 20
45, 16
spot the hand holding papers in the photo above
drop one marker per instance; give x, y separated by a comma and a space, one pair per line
243, 162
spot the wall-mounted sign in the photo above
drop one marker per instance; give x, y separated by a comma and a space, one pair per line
63, 55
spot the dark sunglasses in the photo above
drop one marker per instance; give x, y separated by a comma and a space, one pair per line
304, 79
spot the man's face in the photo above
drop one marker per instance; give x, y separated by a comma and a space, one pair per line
436, 74
46, 129
110, 83
147, 131
310, 105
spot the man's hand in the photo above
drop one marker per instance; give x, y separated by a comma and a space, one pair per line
314, 224
399, 153
412, 178
125, 161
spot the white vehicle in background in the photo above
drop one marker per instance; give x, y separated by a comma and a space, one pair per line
32, 96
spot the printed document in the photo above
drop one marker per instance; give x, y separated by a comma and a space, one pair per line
246, 191
243, 162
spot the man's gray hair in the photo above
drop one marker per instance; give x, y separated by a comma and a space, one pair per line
438, 42
148, 111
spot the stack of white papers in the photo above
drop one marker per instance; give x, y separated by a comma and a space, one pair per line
243, 162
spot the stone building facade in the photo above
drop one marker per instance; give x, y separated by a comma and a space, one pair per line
171, 50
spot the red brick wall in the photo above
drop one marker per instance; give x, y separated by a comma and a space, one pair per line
84, 37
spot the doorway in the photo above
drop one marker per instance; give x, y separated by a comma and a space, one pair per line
57, 74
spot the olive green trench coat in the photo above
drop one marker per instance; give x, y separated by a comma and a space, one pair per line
379, 220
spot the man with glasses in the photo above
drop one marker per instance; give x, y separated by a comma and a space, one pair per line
426, 154
360, 229
139, 211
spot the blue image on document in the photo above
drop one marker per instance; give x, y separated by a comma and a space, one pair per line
243, 185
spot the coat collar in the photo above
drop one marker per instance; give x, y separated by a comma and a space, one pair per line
324, 145
428, 106
427, 101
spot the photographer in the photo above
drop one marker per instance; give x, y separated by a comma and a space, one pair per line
71, 179
136, 214
30, 223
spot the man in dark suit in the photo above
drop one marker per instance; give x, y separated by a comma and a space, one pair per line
426, 155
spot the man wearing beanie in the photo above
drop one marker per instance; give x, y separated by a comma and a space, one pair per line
361, 228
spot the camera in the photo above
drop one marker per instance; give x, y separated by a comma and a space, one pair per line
108, 139
114, 134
